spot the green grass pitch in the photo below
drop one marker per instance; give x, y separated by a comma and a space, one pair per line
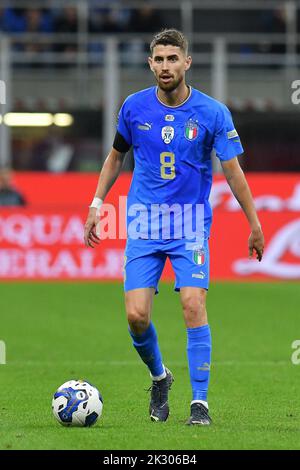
58, 331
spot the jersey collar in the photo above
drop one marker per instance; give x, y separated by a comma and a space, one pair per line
178, 105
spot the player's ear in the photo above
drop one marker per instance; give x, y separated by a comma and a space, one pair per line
188, 62
150, 60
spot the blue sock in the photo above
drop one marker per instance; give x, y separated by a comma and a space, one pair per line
148, 349
199, 352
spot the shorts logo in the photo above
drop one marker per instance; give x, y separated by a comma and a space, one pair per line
191, 129
200, 275
199, 257
167, 134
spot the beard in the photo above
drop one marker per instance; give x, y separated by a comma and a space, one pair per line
171, 86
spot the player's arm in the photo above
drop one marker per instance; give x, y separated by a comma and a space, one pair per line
240, 189
109, 173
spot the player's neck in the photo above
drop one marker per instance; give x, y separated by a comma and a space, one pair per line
175, 97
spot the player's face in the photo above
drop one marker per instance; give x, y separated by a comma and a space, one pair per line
169, 64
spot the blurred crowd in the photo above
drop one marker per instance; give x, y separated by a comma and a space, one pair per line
65, 20
16, 21
119, 19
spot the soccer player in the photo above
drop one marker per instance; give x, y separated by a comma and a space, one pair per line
172, 128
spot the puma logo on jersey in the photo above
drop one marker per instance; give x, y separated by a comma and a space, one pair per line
145, 127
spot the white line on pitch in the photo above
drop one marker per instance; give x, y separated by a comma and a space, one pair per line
136, 363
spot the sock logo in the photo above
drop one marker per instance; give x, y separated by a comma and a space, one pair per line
205, 366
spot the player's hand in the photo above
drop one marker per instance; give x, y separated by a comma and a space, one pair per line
90, 236
256, 242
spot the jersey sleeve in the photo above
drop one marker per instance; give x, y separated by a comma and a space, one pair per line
227, 143
123, 124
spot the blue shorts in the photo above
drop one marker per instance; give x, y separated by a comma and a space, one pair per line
145, 259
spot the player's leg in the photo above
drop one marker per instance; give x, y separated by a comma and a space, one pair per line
193, 300
141, 279
138, 304
192, 273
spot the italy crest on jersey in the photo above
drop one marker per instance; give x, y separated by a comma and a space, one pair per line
199, 257
191, 129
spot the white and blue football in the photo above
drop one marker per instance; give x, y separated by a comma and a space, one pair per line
77, 403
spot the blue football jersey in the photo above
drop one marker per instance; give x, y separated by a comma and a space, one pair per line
172, 148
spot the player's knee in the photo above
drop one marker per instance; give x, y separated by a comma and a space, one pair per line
138, 320
194, 302
194, 309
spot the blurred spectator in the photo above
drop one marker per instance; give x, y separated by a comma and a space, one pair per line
13, 20
20, 20
110, 21
269, 22
9, 196
145, 20
54, 153
33, 20
106, 20
67, 22
39, 20
273, 22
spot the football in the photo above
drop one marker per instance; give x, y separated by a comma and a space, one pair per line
77, 403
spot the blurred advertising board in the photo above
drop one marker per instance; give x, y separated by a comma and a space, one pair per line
44, 240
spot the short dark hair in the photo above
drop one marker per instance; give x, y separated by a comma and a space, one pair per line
170, 37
